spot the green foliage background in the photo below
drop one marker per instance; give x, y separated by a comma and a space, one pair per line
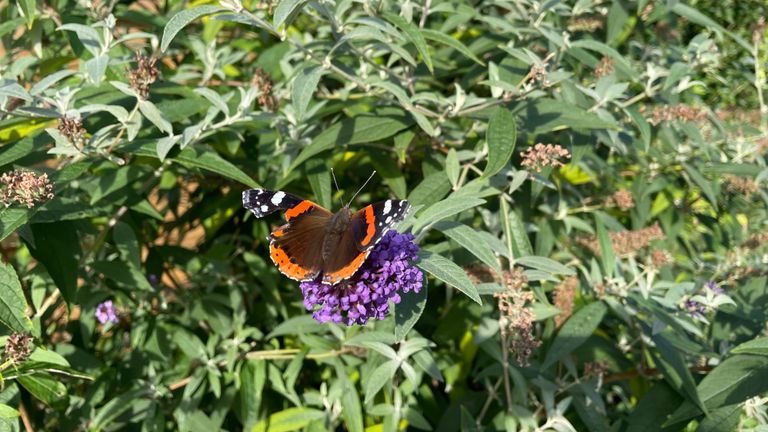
441, 97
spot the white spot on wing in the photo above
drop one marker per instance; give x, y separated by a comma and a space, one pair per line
387, 206
389, 219
278, 198
264, 208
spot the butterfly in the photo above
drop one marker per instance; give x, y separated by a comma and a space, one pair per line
318, 243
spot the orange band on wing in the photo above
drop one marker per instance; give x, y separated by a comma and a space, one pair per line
298, 209
370, 221
284, 264
278, 232
347, 271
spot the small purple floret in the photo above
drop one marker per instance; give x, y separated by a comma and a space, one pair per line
696, 309
385, 274
106, 312
714, 288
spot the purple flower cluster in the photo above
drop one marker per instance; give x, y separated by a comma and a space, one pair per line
694, 308
385, 274
106, 312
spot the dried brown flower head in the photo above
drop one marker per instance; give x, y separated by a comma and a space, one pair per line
660, 258
564, 295
626, 243
263, 81
17, 347
756, 240
144, 75
516, 320
622, 199
595, 369
758, 31
585, 24
73, 129
646, 12
604, 68
741, 185
25, 187
679, 112
540, 156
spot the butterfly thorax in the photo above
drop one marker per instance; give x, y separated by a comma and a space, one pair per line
336, 228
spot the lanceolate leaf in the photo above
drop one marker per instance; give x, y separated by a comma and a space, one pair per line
448, 272
182, 19
414, 35
501, 137
359, 129
575, 332
12, 303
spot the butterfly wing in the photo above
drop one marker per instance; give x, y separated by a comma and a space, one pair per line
296, 247
262, 202
367, 226
370, 223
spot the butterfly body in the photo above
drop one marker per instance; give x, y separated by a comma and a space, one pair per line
315, 243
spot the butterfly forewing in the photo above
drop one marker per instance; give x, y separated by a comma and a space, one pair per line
370, 223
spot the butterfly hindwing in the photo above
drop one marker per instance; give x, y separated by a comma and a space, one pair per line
295, 246
371, 222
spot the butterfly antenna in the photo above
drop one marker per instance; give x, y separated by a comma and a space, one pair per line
337, 187
363, 186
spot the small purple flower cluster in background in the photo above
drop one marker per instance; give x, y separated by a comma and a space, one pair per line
106, 312
385, 274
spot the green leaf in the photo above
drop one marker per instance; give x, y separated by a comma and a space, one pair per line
757, 346
501, 137
124, 274
319, 177
545, 264
733, 381
448, 272
182, 19
547, 115
10, 25
8, 413
285, 10
351, 410
448, 207
288, 420
725, 419
117, 406
13, 305
297, 326
29, 9
452, 167
702, 183
413, 34
384, 373
253, 375
11, 218
409, 310
208, 159
44, 387
575, 332
444, 39
431, 190
675, 370
150, 111
654, 407
304, 86
516, 235
362, 128
57, 247
17, 150
607, 256
697, 17
470, 240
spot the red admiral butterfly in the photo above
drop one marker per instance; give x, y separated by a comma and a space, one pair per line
316, 241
